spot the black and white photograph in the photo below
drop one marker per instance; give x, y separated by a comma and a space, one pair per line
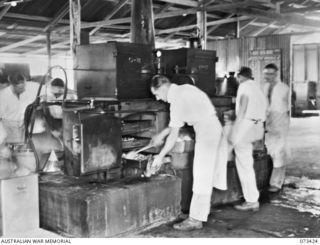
159, 121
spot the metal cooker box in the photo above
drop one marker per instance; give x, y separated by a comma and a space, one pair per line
113, 70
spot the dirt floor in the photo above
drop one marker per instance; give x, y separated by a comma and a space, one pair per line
295, 212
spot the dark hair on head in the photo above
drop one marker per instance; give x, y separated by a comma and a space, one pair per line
271, 66
58, 82
16, 78
158, 80
245, 72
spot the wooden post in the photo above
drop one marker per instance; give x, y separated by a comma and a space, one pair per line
202, 25
49, 50
238, 29
142, 24
75, 24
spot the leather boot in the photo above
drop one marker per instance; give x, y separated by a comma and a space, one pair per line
274, 189
188, 225
248, 206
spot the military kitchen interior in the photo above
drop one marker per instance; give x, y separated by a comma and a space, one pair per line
160, 118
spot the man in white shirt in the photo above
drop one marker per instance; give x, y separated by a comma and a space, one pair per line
54, 92
13, 103
251, 107
277, 124
190, 105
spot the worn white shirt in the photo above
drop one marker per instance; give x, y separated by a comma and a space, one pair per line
13, 108
279, 101
257, 102
188, 104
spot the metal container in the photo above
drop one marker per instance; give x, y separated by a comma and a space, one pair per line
113, 70
19, 205
92, 140
196, 63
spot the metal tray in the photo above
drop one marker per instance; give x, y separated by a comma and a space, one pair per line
138, 142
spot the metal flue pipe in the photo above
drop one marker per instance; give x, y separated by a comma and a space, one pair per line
142, 24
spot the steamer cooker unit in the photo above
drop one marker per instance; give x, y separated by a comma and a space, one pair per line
113, 70
193, 66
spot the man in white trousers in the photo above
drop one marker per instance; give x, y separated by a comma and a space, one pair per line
277, 124
190, 105
251, 107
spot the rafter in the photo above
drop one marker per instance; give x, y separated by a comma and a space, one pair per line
262, 29
211, 29
187, 22
162, 10
211, 23
4, 11
189, 3
58, 16
282, 18
280, 30
217, 7
42, 50
111, 14
21, 43
248, 24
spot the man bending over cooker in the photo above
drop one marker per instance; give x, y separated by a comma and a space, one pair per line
190, 105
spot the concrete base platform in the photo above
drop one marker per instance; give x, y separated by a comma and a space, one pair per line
75, 208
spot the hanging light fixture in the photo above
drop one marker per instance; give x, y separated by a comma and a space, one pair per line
13, 3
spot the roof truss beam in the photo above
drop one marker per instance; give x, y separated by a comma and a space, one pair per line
282, 18
111, 14
217, 7
58, 16
262, 29
211, 23
21, 43
189, 3
211, 29
248, 24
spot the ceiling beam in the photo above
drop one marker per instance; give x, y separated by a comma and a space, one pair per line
214, 16
248, 24
217, 7
186, 22
21, 43
110, 15
58, 16
189, 3
34, 18
281, 29
211, 29
211, 23
282, 18
162, 10
301, 10
4, 11
42, 50
230, 6
262, 29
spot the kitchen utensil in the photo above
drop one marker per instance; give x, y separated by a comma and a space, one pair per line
132, 154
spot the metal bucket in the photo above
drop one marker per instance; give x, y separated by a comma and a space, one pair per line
26, 159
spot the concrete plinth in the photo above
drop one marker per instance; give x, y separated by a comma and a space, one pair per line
78, 209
